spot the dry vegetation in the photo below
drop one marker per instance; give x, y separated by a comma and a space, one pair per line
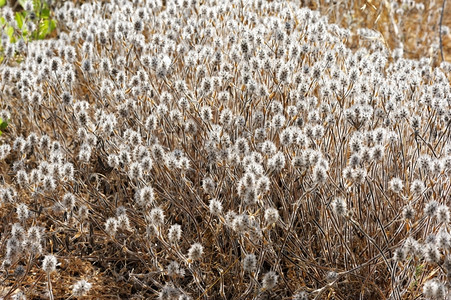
228, 150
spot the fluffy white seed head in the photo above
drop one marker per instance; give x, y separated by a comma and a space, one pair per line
434, 289
34, 234
156, 217
49, 263
271, 215
145, 196
111, 225
417, 187
270, 280
431, 208
396, 185
339, 207
22, 212
399, 254
250, 263
408, 212
209, 185
175, 233
81, 288
195, 252
442, 214
301, 296
215, 207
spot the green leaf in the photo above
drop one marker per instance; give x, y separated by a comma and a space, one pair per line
419, 270
37, 5
45, 13
2, 3
46, 27
22, 3
3, 125
43, 29
19, 20
10, 32
52, 26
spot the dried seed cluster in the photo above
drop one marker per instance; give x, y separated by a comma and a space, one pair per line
198, 148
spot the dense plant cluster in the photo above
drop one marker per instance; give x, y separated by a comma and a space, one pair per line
222, 149
31, 22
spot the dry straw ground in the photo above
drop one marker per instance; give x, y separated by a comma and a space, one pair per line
311, 177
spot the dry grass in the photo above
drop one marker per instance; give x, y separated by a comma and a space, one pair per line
415, 30
342, 227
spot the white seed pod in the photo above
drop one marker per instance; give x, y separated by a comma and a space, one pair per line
269, 280
250, 263
195, 252
49, 263
81, 288
215, 207
156, 217
339, 207
111, 226
271, 215
396, 185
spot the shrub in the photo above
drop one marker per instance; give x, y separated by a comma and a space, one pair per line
255, 149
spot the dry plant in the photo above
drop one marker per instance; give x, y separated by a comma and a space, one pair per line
226, 150
411, 26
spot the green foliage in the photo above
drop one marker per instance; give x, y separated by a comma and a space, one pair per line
419, 270
3, 125
418, 273
41, 17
